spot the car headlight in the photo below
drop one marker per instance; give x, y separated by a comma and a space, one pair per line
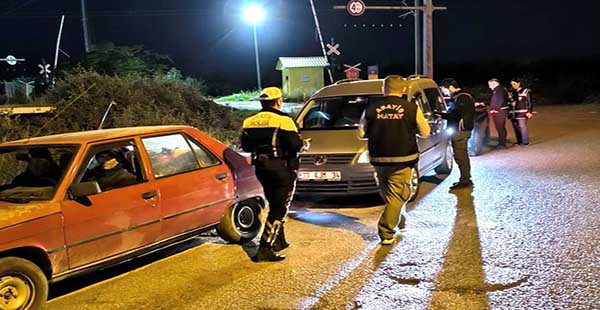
450, 131
363, 158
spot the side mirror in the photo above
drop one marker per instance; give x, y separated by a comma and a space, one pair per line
79, 192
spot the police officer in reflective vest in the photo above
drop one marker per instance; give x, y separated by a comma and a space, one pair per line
523, 108
391, 123
272, 138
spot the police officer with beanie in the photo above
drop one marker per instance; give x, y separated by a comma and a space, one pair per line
391, 124
460, 116
272, 138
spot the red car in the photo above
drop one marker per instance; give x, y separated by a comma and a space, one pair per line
76, 202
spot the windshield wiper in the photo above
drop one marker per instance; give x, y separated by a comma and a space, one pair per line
14, 200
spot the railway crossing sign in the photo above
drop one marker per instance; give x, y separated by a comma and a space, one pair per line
44, 69
353, 72
333, 49
356, 7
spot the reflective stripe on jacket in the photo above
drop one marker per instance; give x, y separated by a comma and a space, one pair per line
274, 134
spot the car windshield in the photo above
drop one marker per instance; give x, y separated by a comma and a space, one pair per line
334, 113
32, 172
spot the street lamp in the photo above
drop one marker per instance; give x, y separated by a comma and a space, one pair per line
253, 13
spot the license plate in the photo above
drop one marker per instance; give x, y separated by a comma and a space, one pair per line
320, 175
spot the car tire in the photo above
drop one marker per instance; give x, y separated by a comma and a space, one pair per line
23, 285
414, 183
242, 222
447, 162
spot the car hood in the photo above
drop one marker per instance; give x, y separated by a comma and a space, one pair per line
14, 213
334, 141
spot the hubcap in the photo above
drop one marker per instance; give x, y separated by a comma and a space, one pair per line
245, 217
15, 292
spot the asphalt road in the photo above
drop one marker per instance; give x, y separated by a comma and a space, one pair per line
526, 237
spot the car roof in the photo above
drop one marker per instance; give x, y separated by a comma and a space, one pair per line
351, 88
94, 135
365, 87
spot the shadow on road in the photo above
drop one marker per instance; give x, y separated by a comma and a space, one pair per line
81, 281
326, 202
462, 278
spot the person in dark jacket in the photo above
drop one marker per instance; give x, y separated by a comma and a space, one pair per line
523, 109
272, 138
110, 173
499, 110
460, 116
391, 124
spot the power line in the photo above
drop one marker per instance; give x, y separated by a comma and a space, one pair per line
175, 12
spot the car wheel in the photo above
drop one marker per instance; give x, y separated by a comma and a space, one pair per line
242, 222
23, 285
414, 183
447, 163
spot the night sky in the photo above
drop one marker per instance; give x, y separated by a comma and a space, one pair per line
208, 37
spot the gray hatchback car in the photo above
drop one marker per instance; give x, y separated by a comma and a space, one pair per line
338, 160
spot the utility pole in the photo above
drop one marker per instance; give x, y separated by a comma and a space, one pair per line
86, 33
428, 38
427, 35
256, 55
417, 16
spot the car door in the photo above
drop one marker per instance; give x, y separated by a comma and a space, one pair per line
435, 101
117, 219
426, 144
196, 187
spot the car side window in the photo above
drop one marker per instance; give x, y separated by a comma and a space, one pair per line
205, 158
170, 155
435, 99
112, 165
420, 101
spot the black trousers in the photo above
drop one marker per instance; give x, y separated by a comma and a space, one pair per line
279, 185
459, 144
499, 123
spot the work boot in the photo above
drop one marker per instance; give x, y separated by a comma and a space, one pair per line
461, 184
266, 254
265, 249
280, 242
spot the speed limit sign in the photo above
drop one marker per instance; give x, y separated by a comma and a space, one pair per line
356, 7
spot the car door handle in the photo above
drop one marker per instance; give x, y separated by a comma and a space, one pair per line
221, 176
149, 195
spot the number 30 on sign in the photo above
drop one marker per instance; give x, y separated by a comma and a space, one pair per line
356, 7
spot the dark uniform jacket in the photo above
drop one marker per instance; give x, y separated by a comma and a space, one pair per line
391, 126
499, 100
272, 138
462, 107
523, 104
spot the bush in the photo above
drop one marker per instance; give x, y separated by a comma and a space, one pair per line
81, 99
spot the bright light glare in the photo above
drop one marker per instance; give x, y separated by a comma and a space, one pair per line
450, 131
254, 13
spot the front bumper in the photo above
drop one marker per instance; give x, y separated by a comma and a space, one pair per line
356, 179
